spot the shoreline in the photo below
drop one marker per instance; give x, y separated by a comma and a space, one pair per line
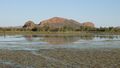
68, 33
71, 33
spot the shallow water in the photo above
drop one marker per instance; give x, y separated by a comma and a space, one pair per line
36, 42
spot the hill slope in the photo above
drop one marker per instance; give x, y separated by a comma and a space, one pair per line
59, 23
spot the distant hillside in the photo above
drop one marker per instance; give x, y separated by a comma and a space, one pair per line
88, 24
57, 24
29, 25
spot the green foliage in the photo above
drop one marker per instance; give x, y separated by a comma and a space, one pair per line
46, 28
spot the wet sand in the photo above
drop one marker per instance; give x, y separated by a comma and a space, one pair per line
61, 58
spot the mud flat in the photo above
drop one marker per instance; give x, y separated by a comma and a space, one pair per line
61, 58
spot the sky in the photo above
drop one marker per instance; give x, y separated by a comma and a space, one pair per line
101, 12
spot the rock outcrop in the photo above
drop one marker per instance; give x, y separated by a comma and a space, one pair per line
57, 22
29, 25
88, 24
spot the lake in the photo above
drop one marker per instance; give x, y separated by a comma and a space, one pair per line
36, 42
36, 51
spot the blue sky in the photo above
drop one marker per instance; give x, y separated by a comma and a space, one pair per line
101, 12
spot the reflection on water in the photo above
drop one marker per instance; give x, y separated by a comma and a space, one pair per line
108, 36
58, 39
35, 42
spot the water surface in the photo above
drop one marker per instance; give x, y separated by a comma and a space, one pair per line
36, 42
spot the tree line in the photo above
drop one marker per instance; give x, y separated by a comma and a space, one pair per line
65, 28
